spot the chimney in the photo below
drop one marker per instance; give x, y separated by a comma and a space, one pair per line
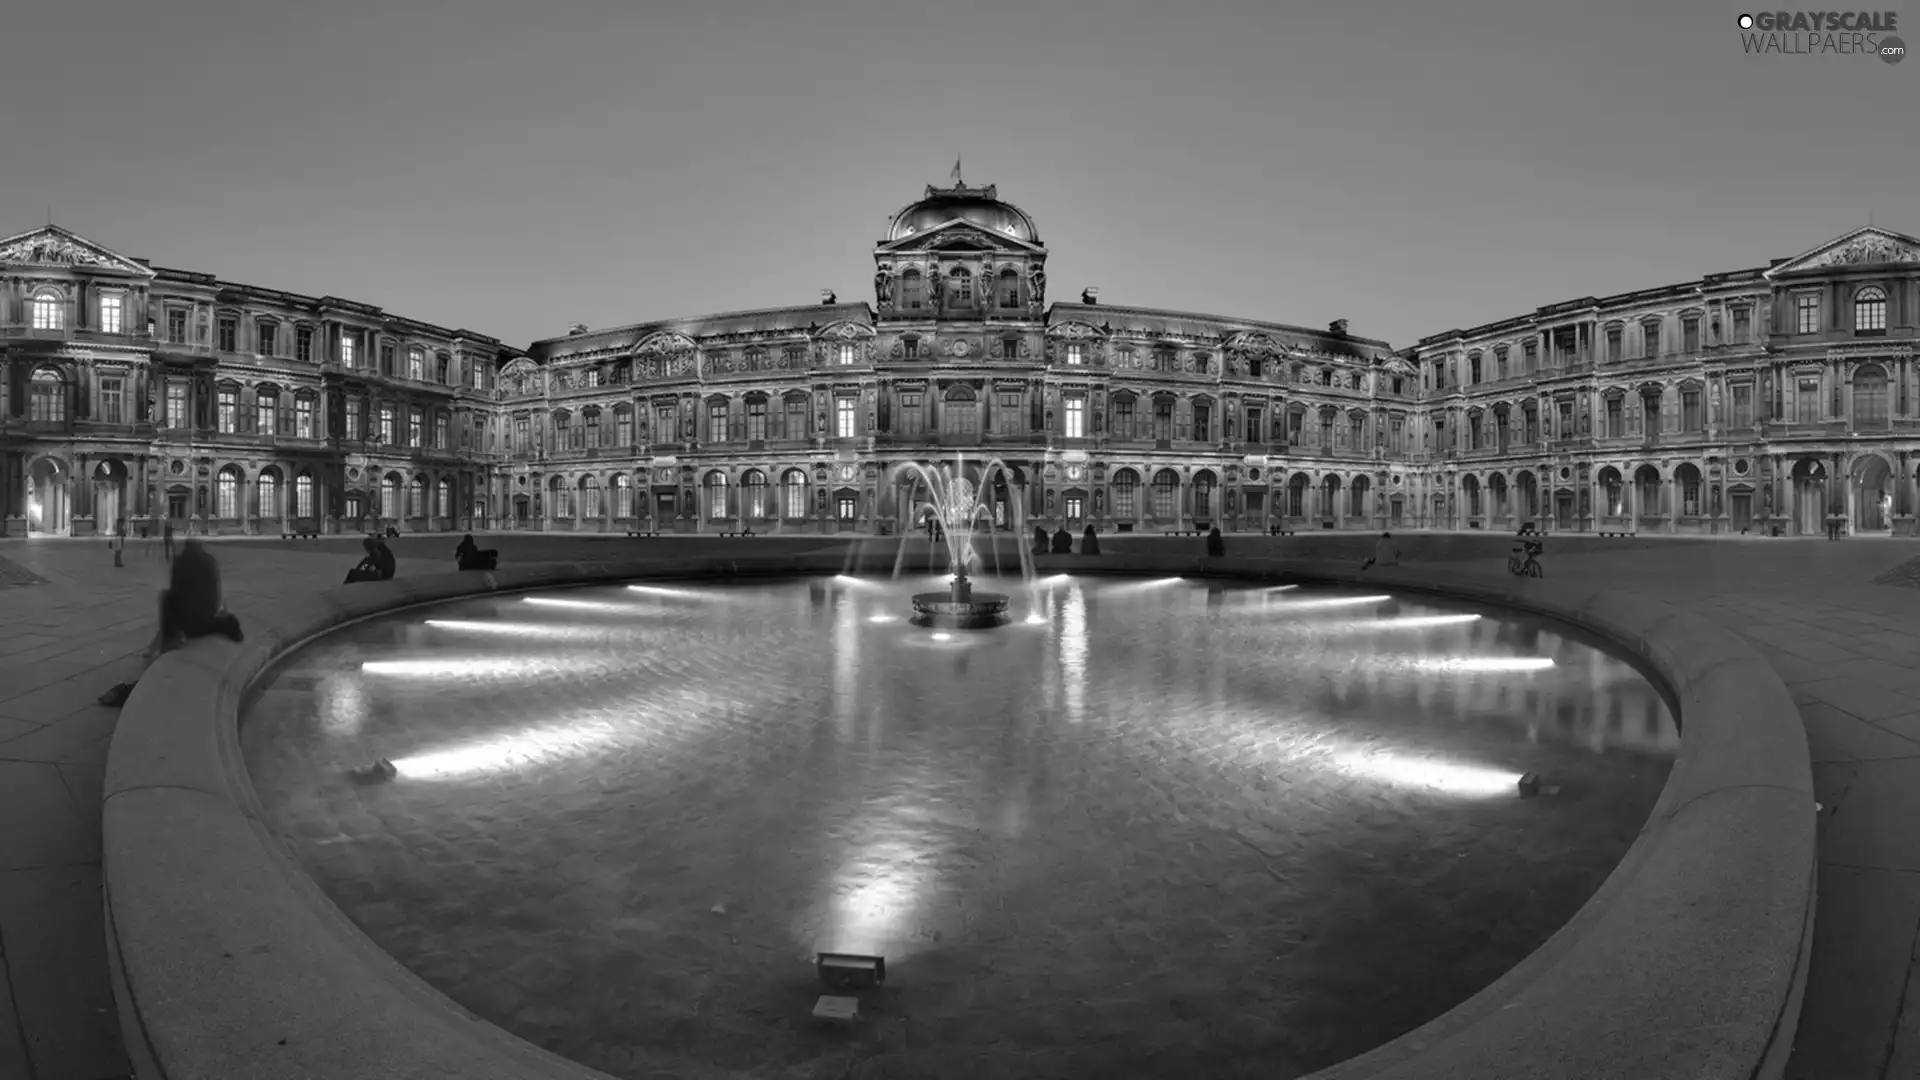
1338, 328
1090, 295
576, 329
827, 298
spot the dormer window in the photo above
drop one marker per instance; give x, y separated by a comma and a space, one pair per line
46, 311
846, 352
962, 285
912, 290
1076, 353
1870, 310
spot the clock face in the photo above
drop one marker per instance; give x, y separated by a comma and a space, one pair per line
959, 348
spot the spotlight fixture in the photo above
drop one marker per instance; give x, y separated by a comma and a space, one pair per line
851, 971
1529, 785
378, 772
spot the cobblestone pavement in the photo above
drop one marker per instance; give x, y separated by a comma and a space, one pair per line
1848, 648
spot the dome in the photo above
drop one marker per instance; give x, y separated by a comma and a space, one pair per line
977, 205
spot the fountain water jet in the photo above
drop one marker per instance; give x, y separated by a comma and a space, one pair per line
956, 507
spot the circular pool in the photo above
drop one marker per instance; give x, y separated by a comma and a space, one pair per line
1153, 827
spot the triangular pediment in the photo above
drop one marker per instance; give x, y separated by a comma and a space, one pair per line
958, 235
1865, 245
51, 245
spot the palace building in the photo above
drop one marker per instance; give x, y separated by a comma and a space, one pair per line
1750, 400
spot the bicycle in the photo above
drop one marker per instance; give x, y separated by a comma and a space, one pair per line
1524, 563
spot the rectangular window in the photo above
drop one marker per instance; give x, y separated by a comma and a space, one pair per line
522, 435
623, 430
416, 363
1296, 423
593, 432
1357, 431
1806, 308
575, 437
176, 327
440, 432
1690, 334
416, 425
1650, 339
303, 344
562, 429
1253, 432
1530, 356
1566, 420
111, 396
479, 373
1202, 422
1473, 371
1076, 352
910, 416
717, 421
112, 314
228, 329
1742, 321
664, 424
356, 420
1397, 435
1163, 419
1807, 402
176, 404
1614, 346
229, 410
303, 418
1742, 406
1076, 410
347, 351
46, 313
847, 353
265, 410
961, 419
387, 431
797, 426
1691, 418
1616, 417
303, 496
757, 419
911, 346
845, 418
386, 359
1008, 416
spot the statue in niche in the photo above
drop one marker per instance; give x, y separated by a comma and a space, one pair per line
883, 287
1037, 285
936, 286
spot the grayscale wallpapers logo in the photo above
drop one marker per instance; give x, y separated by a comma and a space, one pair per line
1806, 33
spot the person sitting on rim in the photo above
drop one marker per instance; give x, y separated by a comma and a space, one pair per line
1039, 539
1062, 541
1216, 543
1385, 552
471, 556
190, 607
1090, 542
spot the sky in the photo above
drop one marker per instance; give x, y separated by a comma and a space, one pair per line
516, 167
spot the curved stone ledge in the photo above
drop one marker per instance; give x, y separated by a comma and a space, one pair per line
1688, 962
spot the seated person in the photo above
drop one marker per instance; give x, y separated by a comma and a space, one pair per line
471, 556
190, 607
376, 566
1062, 541
1039, 539
1216, 543
1089, 542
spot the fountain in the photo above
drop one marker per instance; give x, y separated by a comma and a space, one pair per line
956, 506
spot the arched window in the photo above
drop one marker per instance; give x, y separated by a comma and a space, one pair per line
47, 397
961, 416
795, 497
390, 495
559, 499
267, 495
226, 494
1613, 490
419, 507
1687, 479
1870, 397
443, 507
1126, 493
589, 498
1870, 309
753, 495
1203, 494
716, 495
47, 311
622, 496
1297, 495
1166, 495
1357, 495
303, 495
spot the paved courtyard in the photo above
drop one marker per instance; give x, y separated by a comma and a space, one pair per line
1839, 621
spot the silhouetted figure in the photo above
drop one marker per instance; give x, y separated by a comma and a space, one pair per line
1062, 541
393, 532
166, 539
383, 560
1385, 552
472, 557
1089, 542
1526, 529
190, 607
1216, 544
1039, 539
378, 565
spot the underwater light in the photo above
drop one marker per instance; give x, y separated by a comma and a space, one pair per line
1331, 602
1444, 776
1480, 664
579, 605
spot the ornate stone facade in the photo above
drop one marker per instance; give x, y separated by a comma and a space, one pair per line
1728, 403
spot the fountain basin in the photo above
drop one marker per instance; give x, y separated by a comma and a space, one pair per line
979, 610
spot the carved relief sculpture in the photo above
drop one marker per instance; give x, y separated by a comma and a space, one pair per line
883, 288
1869, 249
936, 286
1037, 286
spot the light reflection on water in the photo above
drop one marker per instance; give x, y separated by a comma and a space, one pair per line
832, 778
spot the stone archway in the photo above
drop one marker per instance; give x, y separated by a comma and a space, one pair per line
1808, 500
109, 496
1871, 489
49, 497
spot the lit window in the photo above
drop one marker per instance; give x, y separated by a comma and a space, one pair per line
46, 312
1076, 427
795, 497
303, 418
176, 404
346, 349
416, 427
111, 396
265, 407
266, 492
1076, 353
229, 410
1870, 309
847, 352
386, 425
47, 397
226, 492
417, 365
303, 496
845, 425
111, 314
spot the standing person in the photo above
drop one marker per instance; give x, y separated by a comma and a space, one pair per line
166, 540
1385, 552
190, 607
1216, 543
